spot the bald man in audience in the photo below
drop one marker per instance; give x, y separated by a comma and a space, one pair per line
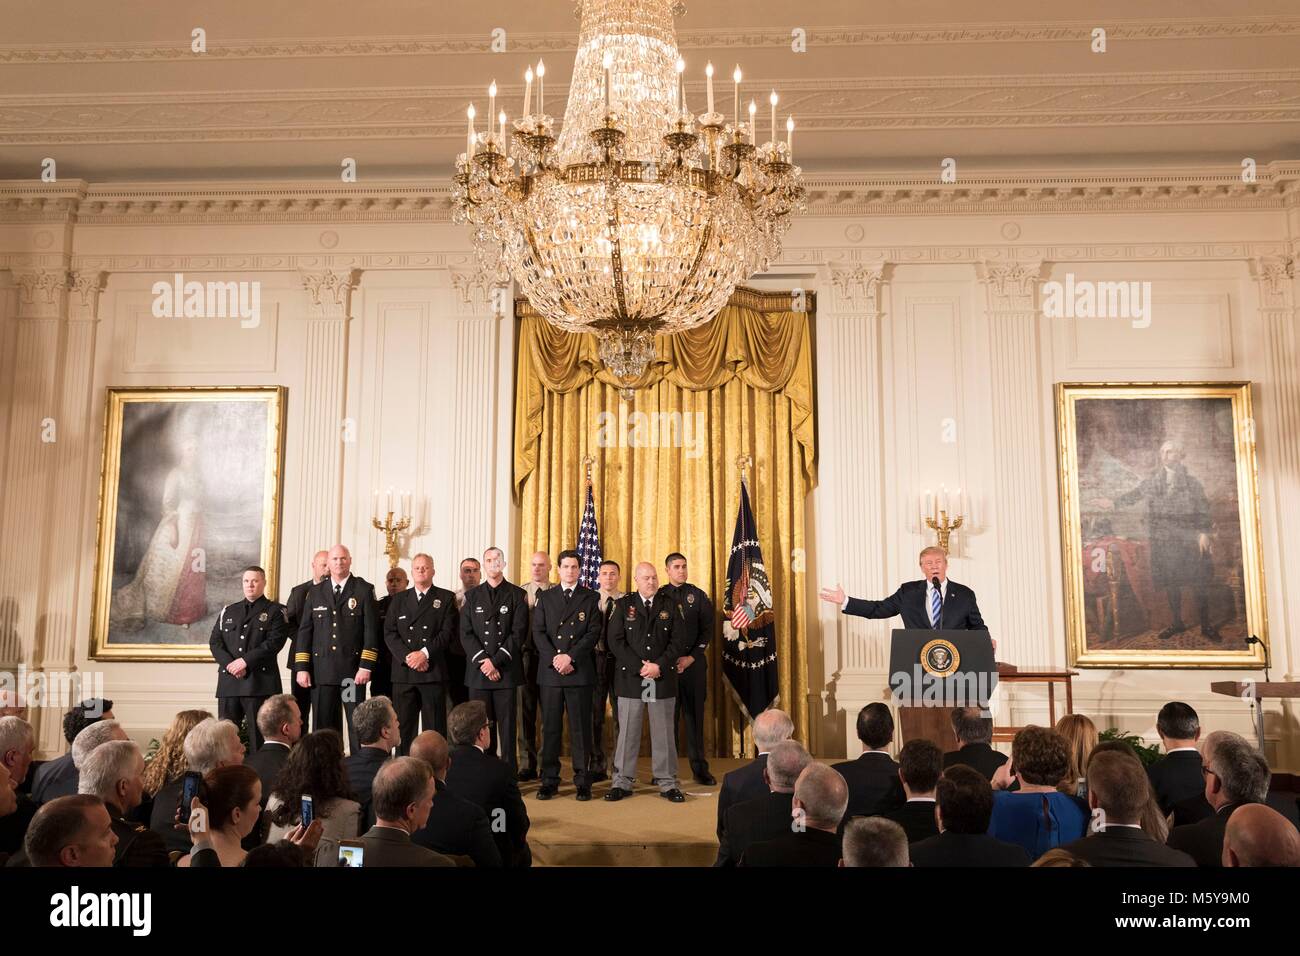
820, 799
71, 831
874, 842
768, 816
456, 827
1258, 835
746, 783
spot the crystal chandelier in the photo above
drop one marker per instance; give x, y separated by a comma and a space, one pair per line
638, 218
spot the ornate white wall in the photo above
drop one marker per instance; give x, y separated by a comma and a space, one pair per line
399, 374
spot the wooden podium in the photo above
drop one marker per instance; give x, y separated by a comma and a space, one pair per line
1256, 691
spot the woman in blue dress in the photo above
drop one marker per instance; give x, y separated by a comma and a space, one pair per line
1036, 815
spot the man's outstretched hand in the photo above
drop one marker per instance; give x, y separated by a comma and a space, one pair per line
833, 595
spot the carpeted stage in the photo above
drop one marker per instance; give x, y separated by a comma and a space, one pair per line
640, 830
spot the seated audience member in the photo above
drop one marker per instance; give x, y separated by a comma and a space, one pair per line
820, 798
746, 783
16, 745
1257, 835
1060, 858
210, 744
58, 777
766, 817
315, 769
71, 831
403, 797
1154, 823
280, 723
1176, 777
379, 732
487, 781
964, 803
1080, 735
873, 777
1118, 787
233, 798
8, 803
973, 734
114, 772
456, 827
1235, 774
875, 841
920, 763
283, 855
1037, 817
168, 763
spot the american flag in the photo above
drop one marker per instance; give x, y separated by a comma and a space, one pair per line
749, 650
589, 556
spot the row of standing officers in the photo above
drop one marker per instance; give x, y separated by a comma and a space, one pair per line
563, 649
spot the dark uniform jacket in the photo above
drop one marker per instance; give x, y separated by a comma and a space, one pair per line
137, 845
256, 632
698, 617
335, 641
412, 625
567, 626
633, 637
494, 626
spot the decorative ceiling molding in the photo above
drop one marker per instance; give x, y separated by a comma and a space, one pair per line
1277, 186
823, 105
759, 37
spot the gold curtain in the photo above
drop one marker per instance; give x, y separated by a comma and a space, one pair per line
666, 476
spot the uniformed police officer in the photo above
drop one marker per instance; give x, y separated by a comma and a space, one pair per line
320, 567
338, 644
566, 627
539, 566
418, 630
693, 666
245, 639
608, 577
381, 679
493, 627
646, 635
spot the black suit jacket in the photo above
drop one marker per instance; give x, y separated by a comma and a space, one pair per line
1176, 778
966, 849
1203, 841
257, 633
413, 625
137, 845
163, 817
917, 820
337, 638
570, 627
386, 846
981, 757
494, 627
457, 827
739, 785
754, 821
362, 767
874, 787
960, 612
488, 782
1125, 846
633, 637
809, 848
13, 828
268, 760
55, 778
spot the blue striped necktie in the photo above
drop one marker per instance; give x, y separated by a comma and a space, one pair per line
934, 608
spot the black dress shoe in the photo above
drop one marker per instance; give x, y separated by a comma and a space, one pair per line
705, 778
673, 796
547, 791
617, 793
584, 793
527, 773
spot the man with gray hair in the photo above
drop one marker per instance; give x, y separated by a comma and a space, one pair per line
114, 772
16, 745
210, 744
92, 737
1257, 835
874, 841
768, 816
821, 796
403, 797
747, 783
1235, 774
380, 734
974, 734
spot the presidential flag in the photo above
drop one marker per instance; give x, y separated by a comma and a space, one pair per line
749, 651
589, 556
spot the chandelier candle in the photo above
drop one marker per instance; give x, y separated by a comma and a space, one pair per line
772, 100
492, 103
541, 87
753, 123
681, 85
528, 92
736, 76
608, 62
789, 139
469, 142
708, 72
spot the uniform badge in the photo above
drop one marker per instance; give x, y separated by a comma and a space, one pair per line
263, 617
690, 599
437, 603
478, 610
352, 604
504, 609
631, 612
663, 615
582, 615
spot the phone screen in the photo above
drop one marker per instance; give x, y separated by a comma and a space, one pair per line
306, 811
190, 786
351, 854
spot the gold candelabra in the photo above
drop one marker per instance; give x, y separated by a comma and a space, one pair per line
390, 527
943, 527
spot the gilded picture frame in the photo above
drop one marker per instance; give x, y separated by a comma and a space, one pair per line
190, 494
1160, 525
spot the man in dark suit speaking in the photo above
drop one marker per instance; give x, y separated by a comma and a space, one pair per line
934, 603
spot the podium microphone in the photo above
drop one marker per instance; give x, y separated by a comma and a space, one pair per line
938, 589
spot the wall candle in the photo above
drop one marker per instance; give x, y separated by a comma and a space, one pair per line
772, 99
929, 504
528, 92
789, 137
388, 502
753, 111
736, 76
541, 87
708, 72
374, 508
406, 495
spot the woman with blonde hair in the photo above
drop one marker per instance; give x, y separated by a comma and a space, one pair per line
1081, 737
169, 762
